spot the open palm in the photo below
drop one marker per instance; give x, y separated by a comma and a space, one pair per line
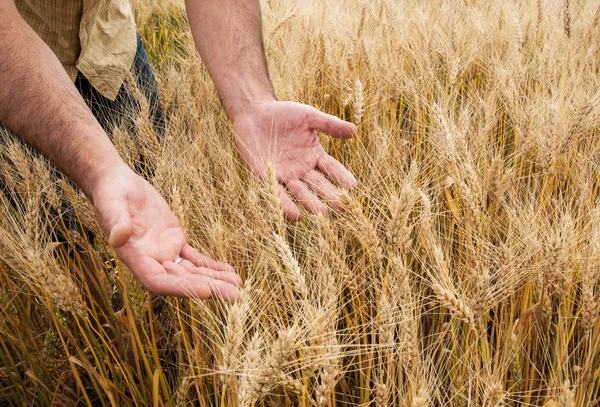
148, 238
284, 134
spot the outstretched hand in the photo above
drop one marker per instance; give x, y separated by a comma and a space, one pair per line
148, 238
284, 134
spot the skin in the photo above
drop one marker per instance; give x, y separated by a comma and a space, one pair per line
228, 36
39, 103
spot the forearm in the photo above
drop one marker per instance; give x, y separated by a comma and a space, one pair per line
228, 36
39, 102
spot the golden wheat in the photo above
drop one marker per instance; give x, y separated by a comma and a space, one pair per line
464, 271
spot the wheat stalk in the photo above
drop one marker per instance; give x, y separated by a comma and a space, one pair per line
567, 18
291, 264
367, 232
270, 370
273, 201
450, 300
399, 230
358, 102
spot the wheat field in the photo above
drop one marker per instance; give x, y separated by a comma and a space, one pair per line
464, 271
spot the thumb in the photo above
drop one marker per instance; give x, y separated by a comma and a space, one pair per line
116, 222
121, 231
332, 125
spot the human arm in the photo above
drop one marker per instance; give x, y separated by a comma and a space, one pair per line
39, 103
228, 36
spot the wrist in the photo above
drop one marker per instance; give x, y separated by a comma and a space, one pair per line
247, 98
248, 110
109, 172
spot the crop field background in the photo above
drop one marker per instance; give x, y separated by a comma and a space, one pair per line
464, 272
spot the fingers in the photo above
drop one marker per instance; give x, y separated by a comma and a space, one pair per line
191, 254
306, 198
180, 269
228, 276
290, 209
324, 188
194, 286
197, 263
173, 279
331, 125
336, 171
187, 264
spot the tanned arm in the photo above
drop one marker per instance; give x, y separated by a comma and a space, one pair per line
228, 36
39, 103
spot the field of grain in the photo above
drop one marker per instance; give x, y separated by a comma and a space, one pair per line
464, 272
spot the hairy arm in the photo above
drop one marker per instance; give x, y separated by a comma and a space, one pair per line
39, 102
228, 36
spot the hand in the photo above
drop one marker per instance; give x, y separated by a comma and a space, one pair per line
148, 239
283, 133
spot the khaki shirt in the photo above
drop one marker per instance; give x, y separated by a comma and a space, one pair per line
95, 37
